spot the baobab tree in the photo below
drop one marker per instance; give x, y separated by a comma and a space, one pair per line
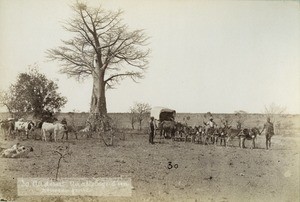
103, 48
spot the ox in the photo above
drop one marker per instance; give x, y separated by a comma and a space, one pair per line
25, 126
16, 151
54, 128
7, 127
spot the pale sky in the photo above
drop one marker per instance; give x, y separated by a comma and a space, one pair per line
217, 56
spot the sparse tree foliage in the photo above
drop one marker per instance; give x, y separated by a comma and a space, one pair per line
226, 120
240, 117
33, 94
4, 101
102, 47
140, 111
276, 114
133, 118
274, 109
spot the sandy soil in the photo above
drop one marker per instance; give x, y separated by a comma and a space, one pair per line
204, 173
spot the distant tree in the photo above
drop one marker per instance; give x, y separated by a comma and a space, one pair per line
102, 48
277, 114
240, 117
226, 120
208, 115
4, 98
33, 94
132, 117
140, 111
273, 109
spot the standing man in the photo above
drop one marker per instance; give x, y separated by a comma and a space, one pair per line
65, 126
210, 129
152, 130
211, 123
269, 132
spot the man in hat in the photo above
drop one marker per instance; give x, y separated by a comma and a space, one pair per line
152, 127
209, 127
211, 123
269, 132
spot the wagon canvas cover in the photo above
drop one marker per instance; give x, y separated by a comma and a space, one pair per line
156, 112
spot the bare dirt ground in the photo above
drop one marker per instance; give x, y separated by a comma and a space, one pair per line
204, 173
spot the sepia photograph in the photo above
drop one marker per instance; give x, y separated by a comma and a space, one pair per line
150, 100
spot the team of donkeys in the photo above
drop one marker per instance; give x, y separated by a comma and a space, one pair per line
207, 134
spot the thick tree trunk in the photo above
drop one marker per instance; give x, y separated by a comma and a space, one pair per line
132, 124
98, 99
140, 121
98, 119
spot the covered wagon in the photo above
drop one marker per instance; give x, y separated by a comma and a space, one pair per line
164, 119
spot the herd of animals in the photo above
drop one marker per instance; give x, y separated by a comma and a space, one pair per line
208, 133
14, 127
11, 127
